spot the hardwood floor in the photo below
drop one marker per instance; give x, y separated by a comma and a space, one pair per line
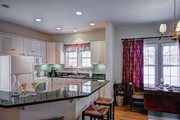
123, 113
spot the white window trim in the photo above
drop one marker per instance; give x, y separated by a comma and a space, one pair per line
156, 61
165, 44
159, 57
66, 61
78, 61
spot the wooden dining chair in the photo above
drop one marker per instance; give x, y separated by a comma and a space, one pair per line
137, 98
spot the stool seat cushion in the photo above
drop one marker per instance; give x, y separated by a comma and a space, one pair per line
105, 101
138, 96
96, 111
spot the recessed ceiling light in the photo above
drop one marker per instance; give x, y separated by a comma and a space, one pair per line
74, 30
92, 24
78, 13
58, 28
5, 5
38, 20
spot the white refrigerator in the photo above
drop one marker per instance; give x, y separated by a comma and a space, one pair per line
19, 66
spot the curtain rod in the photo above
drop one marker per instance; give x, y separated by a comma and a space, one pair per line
157, 37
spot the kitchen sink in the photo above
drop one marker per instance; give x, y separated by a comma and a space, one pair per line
75, 76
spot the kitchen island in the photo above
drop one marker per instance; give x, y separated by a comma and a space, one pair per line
64, 97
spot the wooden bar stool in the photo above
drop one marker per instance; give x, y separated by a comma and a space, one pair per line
106, 102
94, 111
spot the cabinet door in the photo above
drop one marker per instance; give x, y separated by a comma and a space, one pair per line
102, 52
36, 47
94, 52
17, 44
12, 44
1, 42
27, 46
60, 53
7, 44
51, 53
32, 47
43, 52
98, 52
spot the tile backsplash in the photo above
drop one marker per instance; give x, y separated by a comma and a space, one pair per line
43, 69
99, 68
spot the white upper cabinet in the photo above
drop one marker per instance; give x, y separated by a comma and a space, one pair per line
48, 52
36, 46
32, 47
27, 46
98, 52
1, 41
51, 53
60, 53
12, 44
43, 52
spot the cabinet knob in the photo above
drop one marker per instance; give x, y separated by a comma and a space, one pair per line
12, 49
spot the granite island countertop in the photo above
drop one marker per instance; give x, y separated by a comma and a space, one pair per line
60, 90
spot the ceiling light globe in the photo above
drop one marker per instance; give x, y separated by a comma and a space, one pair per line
163, 28
178, 27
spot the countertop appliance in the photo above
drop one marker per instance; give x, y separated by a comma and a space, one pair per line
20, 66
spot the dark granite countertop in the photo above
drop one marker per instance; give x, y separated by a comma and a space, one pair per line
162, 91
71, 77
80, 77
99, 76
60, 90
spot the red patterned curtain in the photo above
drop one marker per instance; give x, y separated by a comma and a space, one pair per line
133, 62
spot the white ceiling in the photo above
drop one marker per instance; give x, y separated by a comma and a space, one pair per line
61, 13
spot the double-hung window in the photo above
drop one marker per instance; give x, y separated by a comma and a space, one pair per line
161, 61
71, 59
78, 56
85, 59
150, 65
170, 64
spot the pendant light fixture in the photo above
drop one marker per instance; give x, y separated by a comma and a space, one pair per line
176, 27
